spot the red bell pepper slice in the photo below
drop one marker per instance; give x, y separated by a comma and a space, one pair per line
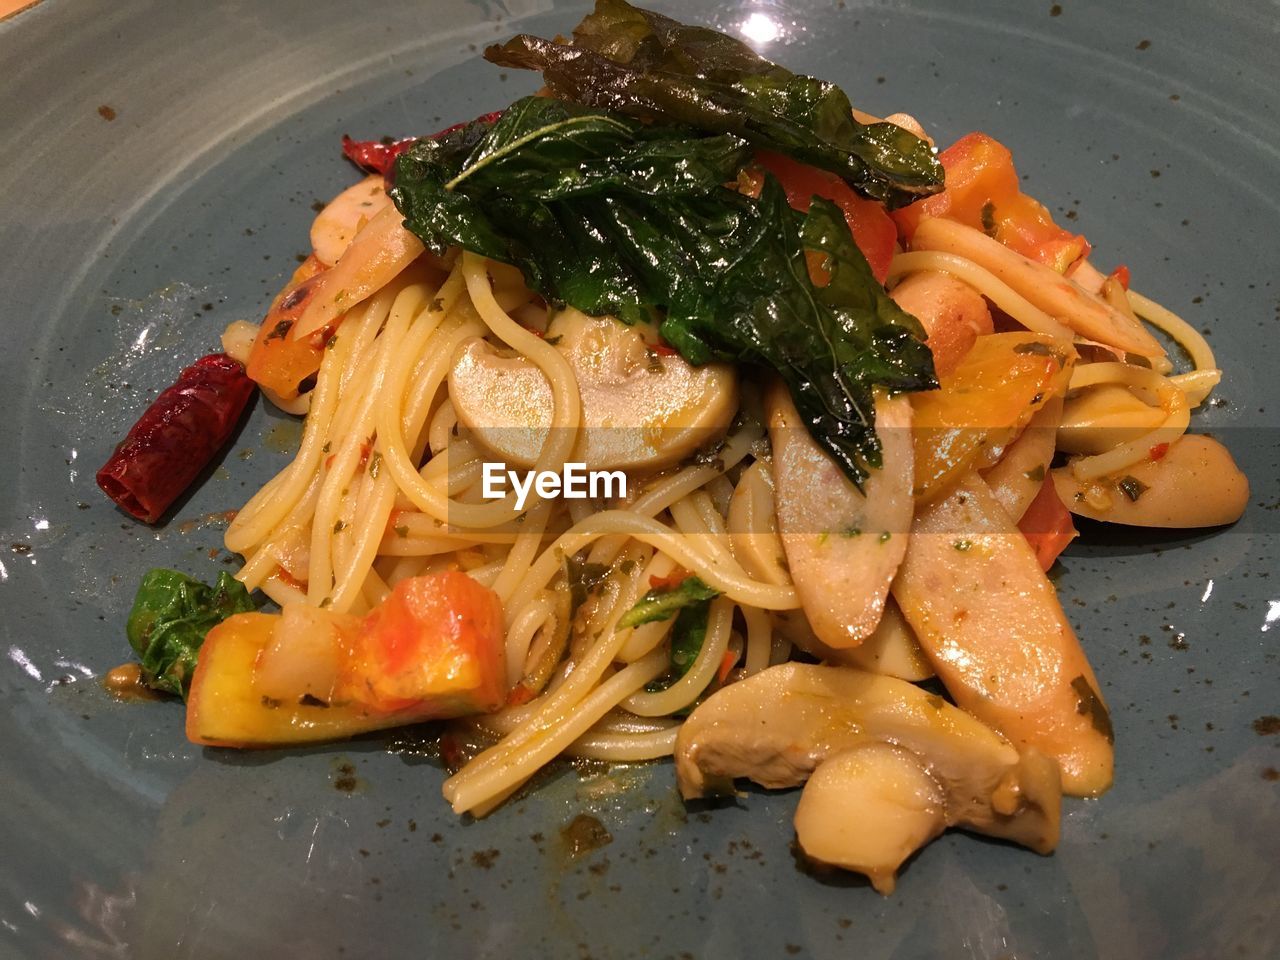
1047, 525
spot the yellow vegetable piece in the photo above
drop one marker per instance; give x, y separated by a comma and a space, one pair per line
226, 707
982, 405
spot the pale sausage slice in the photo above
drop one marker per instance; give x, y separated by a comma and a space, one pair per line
990, 622
843, 548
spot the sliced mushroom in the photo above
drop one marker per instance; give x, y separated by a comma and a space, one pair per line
843, 547
868, 810
1018, 476
952, 313
640, 409
1195, 484
892, 649
991, 624
781, 725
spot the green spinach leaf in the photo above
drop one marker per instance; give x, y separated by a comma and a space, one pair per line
171, 615
642, 64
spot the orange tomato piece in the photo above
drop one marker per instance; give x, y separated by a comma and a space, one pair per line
983, 192
278, 362
873, 231
982, 404
437, 637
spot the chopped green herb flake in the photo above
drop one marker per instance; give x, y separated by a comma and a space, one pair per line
280, 330
662, 603
582, 577
1089, 704
1132, 488
1034, 348
989, 219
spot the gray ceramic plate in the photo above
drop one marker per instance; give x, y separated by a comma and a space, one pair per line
158, 170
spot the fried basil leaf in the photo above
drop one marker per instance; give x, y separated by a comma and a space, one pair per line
664, 602
644, 65
616, 217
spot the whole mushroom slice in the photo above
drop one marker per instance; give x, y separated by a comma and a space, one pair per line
640, 409
989, 620
843, 547
867, 807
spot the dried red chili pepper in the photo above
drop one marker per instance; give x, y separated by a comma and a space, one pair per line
176, 437
374, 155
379, 157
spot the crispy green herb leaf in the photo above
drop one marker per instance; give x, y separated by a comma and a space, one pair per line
171, 615
620, 218
663, 603
687, 635
645, 65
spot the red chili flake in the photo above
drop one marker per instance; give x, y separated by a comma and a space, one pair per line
669, 582
519, 695
1158, 451
664, 349
285, 577
1121, 273
451, 752
176, 437
726, 664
